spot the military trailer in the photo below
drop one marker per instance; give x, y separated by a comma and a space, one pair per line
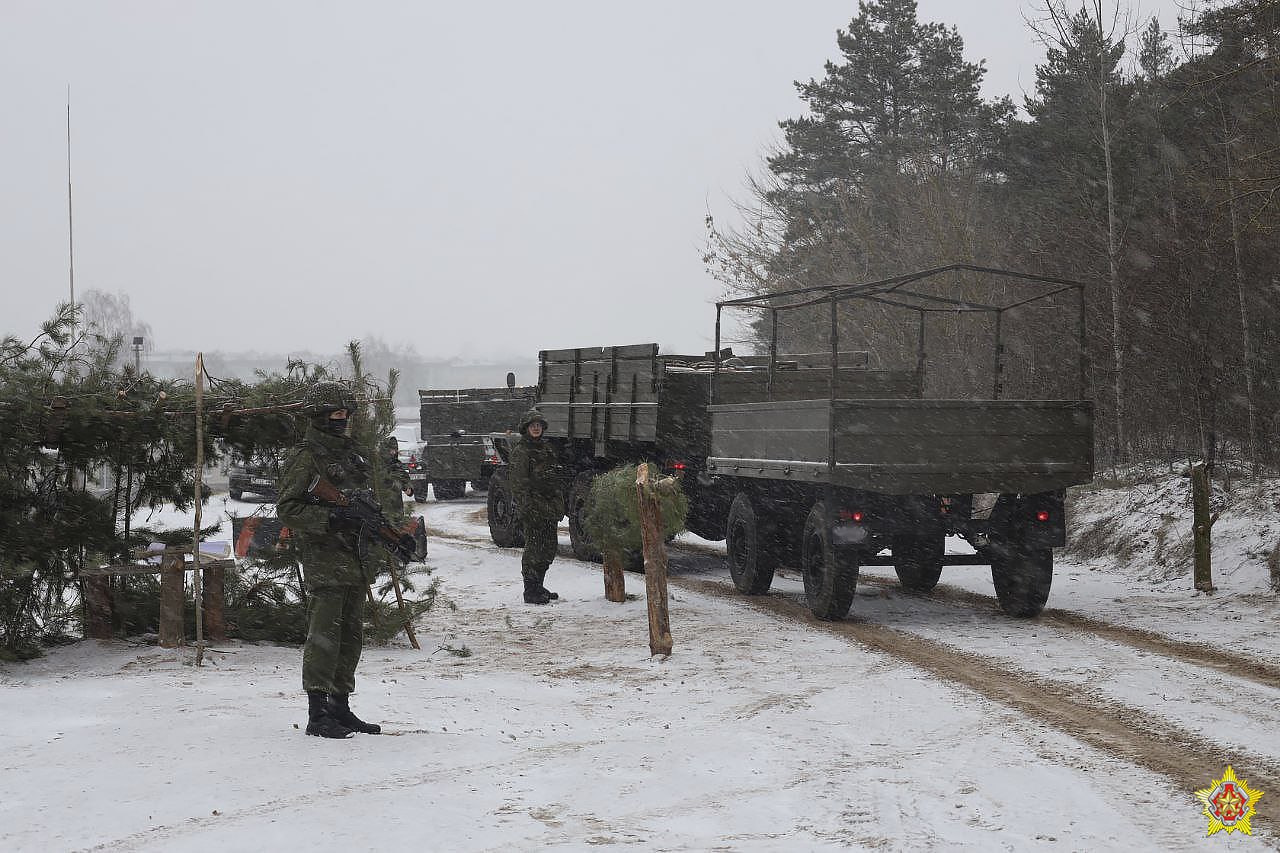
456, 428
831, 458
606, 406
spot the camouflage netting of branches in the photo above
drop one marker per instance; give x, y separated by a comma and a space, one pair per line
613, 513
86, 442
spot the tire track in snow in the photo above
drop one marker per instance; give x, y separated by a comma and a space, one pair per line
1133, 735
150, 837
1229, 663
1123, 731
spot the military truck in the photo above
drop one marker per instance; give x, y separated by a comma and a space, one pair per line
967, 418
832, 458
456, 428
606, 406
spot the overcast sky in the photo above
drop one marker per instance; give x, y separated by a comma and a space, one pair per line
479, 179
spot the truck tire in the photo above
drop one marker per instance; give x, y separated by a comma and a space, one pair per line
1022, 577
236, 494
583, 548
504, 520
449, 490
830, 573
420, 492
752, 561
481, 485
918, 561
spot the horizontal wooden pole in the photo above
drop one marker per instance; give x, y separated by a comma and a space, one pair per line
135, 569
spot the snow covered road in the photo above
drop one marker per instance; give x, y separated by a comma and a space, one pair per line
920, 723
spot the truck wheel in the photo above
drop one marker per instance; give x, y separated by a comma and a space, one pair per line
1022, 577
481, 485
450, 490
504, 520
830, 573
583, 548
236, 494
420, 491
918, 561
751, 561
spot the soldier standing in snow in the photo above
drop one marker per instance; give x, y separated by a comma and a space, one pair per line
537, 484
337, 576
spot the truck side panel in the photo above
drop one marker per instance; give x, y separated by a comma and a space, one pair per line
910, 446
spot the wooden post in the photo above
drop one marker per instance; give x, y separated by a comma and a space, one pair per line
97, 607
615, 585
395, 585
1201, 526
197, 579
655, 564
172, 598
215, 620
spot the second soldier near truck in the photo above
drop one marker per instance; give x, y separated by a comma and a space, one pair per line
537, 483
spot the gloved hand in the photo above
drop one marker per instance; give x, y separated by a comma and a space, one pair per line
345, 519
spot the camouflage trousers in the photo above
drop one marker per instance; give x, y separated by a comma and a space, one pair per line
539, 547
335, 637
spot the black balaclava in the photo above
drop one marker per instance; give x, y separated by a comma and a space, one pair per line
333, 426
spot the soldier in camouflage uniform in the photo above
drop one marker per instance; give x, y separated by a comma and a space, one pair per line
395, 481
337, 576
537, 484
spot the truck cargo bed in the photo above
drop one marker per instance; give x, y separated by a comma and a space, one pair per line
908, 446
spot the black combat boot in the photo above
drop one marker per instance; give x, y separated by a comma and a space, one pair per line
542, 576
535, 594
340, 710
320, 722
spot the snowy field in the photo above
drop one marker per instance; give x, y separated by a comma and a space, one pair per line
920, 723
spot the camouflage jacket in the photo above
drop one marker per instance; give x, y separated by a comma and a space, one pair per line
395, 480
328, 558
537, 479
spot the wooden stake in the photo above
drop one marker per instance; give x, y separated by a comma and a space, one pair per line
215, 619
615, 585
197, 580
655, 564
97, 607
172, 598
395, 585
1202, 524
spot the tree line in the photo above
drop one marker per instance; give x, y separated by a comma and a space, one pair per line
1143, 164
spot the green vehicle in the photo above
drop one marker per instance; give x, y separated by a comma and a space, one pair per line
456, 428
968, 418
606, 406
963, 412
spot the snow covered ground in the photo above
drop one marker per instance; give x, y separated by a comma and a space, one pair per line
919, 723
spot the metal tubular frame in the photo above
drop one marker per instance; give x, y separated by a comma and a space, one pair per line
884, 292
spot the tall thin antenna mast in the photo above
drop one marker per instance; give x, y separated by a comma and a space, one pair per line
71, 240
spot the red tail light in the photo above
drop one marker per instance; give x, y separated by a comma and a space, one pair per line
678, 466
1042, 515
851, 515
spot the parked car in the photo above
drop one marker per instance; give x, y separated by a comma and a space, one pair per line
257, 476
412, 452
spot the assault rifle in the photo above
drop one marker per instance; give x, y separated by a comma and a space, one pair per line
373, 524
